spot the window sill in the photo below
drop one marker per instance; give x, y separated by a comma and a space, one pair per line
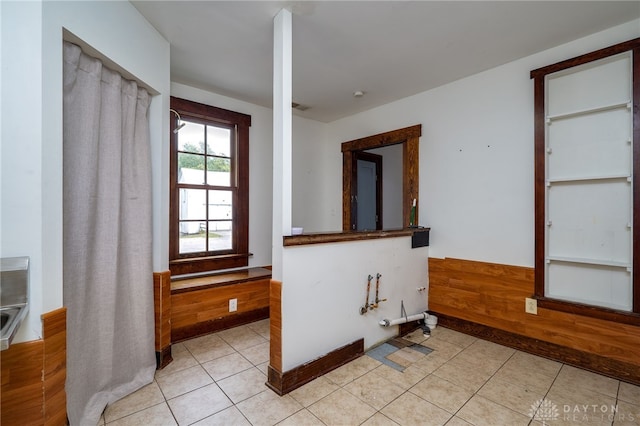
205, 264
218, 279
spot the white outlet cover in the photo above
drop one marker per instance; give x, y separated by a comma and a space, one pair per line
531, 306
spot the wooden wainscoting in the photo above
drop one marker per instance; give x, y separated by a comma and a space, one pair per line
54, 330
162, 310
201, 305
22, 394
33, 376
275, 326
488, 300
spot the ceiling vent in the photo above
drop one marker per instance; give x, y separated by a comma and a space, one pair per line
299, 107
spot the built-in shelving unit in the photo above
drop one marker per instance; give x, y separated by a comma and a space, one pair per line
589, 184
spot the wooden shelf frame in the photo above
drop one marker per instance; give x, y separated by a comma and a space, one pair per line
541, 124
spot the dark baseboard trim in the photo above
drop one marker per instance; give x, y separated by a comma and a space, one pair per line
407, 327
211, 326
163, 358
283, 383
598, 364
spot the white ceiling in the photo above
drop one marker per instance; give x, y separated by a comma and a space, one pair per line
387, 49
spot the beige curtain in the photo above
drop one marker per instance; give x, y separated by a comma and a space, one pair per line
108, 282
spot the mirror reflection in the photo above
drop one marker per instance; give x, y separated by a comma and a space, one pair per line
380, 180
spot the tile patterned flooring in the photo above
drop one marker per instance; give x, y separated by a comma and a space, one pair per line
219, 380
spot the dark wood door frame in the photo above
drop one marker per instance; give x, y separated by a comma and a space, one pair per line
409, 137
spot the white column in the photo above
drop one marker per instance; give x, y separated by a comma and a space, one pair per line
281, 136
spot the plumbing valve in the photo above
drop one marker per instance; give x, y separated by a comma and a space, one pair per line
366, 307
377, 300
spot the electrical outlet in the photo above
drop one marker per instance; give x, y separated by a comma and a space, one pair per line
233, 305
531, 306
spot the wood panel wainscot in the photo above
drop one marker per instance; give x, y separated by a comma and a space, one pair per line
275, 326
33, 376
201, 305
162, 310
488, 300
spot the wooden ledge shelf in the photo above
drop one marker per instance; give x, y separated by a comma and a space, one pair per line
201, 305
341, 236
183, 285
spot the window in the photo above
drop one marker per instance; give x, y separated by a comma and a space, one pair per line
587, 187
209, 213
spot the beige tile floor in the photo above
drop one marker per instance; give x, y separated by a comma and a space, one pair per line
219, 379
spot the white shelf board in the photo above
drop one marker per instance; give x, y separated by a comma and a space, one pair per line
588, 111
588, 178
599, 262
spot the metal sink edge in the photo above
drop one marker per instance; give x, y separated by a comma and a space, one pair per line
17, 314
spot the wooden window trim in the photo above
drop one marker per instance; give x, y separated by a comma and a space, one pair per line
538, 76
239, 257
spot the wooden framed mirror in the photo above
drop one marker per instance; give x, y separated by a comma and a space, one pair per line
409, 137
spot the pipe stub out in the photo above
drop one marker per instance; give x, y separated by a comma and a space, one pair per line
421, 316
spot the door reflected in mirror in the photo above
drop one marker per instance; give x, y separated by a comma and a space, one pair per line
378, 188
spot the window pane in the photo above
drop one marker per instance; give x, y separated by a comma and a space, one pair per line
192, 237
193, 204
218, 141
220, 205
207, 154
218, 171
191, 138
191, 168
220, 235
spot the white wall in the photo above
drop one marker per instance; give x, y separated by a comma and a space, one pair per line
309, 171
476, 155
260, 165
32, 146
325, 285
22, 209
